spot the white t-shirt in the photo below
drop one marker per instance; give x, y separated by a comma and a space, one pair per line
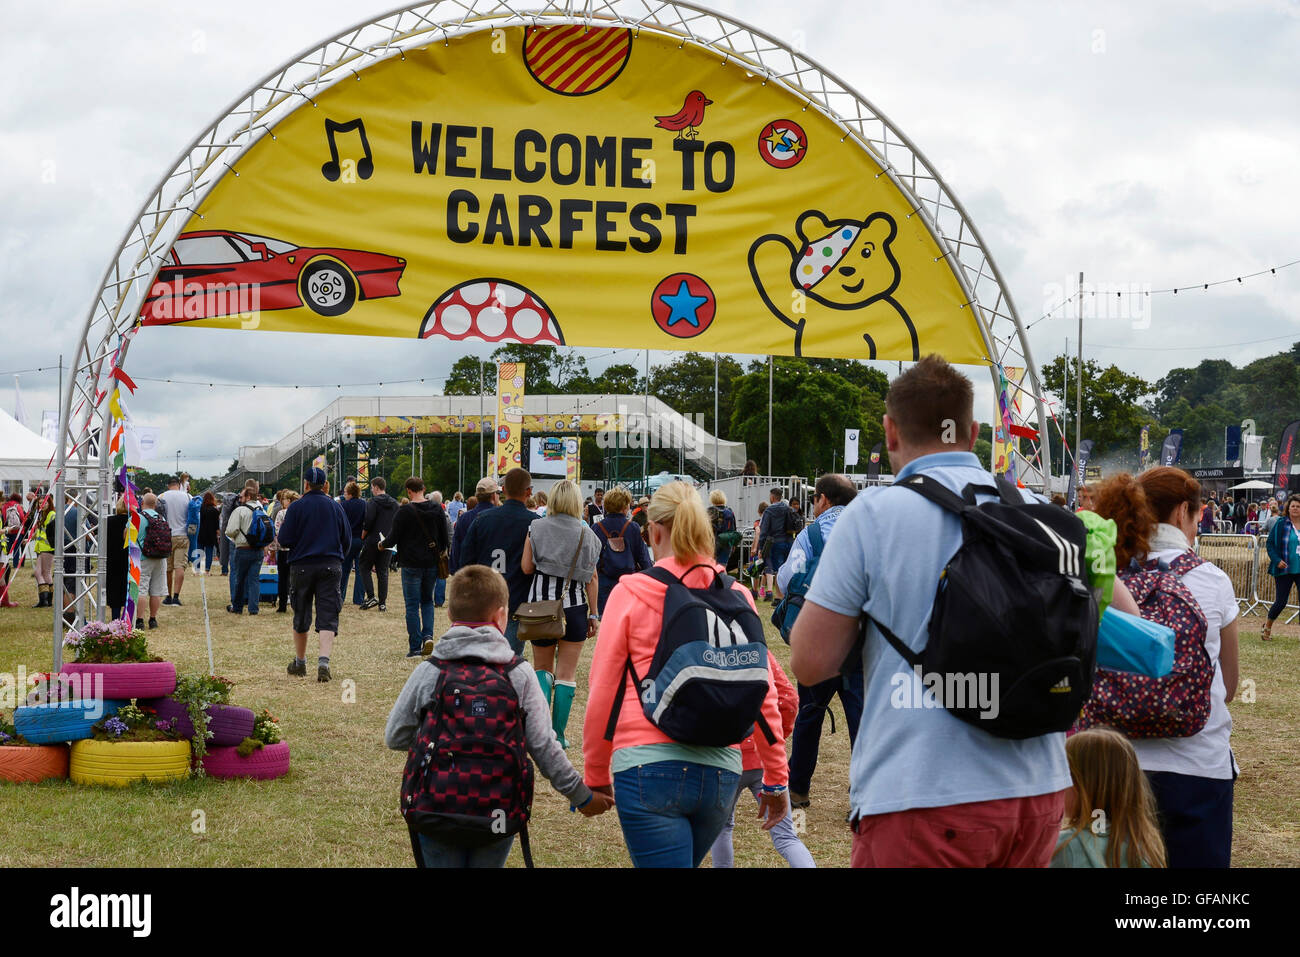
178, 505
1208, 753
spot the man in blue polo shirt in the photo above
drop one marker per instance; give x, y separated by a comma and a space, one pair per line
317, 534
926, 789
496, 539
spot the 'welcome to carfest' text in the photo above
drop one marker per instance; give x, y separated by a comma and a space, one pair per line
528, 219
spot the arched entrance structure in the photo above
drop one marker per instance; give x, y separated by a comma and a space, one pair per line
622, 172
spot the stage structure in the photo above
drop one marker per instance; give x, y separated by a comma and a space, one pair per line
466, 170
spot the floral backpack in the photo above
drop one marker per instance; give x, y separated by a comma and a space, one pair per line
1177, 705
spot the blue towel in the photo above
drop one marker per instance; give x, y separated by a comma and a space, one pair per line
1128, 643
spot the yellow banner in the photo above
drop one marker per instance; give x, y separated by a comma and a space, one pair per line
572, 459
471, 424
510, 417
568, 185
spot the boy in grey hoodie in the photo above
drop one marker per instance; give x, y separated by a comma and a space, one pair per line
477, 598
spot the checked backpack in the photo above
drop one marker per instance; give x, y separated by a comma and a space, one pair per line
1177, 705
468, 780
157, 539
709, 675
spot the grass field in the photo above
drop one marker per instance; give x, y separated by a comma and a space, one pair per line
338, 805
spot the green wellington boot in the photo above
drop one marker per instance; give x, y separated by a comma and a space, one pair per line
547, 681
560, 713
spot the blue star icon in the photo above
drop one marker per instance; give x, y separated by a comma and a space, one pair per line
684, 306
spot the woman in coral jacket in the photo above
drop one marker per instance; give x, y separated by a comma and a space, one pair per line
672, 798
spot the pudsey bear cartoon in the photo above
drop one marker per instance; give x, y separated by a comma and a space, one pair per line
839, 265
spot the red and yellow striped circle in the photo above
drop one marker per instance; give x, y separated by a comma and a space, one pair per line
576, 60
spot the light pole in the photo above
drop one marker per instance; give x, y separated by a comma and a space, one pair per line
178, 461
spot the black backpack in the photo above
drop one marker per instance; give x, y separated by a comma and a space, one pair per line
709, 675
1013, 604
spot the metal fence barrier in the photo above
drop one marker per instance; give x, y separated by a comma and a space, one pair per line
1244, 559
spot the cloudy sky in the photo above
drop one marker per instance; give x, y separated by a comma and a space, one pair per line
1149, 145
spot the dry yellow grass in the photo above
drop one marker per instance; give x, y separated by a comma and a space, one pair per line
338, 805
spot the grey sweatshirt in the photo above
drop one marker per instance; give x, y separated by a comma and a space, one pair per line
487, 644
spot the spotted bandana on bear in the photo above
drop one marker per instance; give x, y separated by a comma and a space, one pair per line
820, 256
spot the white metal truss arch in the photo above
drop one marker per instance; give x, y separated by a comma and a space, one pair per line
84, 475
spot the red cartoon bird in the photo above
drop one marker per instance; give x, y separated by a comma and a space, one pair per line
688, 117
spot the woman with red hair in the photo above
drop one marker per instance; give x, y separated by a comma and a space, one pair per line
1156, 516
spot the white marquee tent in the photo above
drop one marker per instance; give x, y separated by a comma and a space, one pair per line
24, 455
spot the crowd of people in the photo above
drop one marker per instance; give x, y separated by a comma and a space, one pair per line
646, 580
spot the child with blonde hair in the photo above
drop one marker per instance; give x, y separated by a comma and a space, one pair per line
1110, 812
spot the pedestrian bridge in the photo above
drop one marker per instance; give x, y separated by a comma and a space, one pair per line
632, 420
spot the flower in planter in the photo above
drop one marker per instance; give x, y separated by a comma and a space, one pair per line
116, 727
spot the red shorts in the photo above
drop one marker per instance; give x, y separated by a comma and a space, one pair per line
1011, 832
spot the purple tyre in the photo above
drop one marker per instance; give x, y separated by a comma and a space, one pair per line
228, 723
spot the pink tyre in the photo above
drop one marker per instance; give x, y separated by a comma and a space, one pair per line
266, 763
228, 723
147, 679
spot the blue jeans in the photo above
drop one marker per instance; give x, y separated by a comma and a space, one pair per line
807, 734
512, 636
440, 854
350, 566
417, 592
776, 556
244, 585
671, 812
440, 592
208, 551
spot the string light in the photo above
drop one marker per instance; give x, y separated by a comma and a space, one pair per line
1271, 271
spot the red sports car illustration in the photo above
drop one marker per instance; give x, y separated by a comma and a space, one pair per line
217, 272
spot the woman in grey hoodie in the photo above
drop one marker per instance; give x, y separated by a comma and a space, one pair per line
477, 632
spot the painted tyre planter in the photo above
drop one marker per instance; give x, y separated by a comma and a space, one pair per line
34, 764
266, 763
60, 723
117, 763
228, 723
146, 679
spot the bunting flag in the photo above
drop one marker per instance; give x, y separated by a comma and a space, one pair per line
1004, 446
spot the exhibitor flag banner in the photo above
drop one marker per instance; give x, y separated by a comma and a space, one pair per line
1144, 447
1285, 456
568, 184
850, 447
1172, 450
510, 417
873, 462
1231, 444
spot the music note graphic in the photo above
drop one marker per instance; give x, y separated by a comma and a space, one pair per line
365, 166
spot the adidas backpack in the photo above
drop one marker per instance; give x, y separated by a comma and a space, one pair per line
1013, 603
157, 538
709, 676
787, 609
468, 780
1177, 705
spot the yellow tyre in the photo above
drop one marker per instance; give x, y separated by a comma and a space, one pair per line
117, 763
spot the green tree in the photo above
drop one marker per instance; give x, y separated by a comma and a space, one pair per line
1112, 413
464, 377
686, 384
810, 411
